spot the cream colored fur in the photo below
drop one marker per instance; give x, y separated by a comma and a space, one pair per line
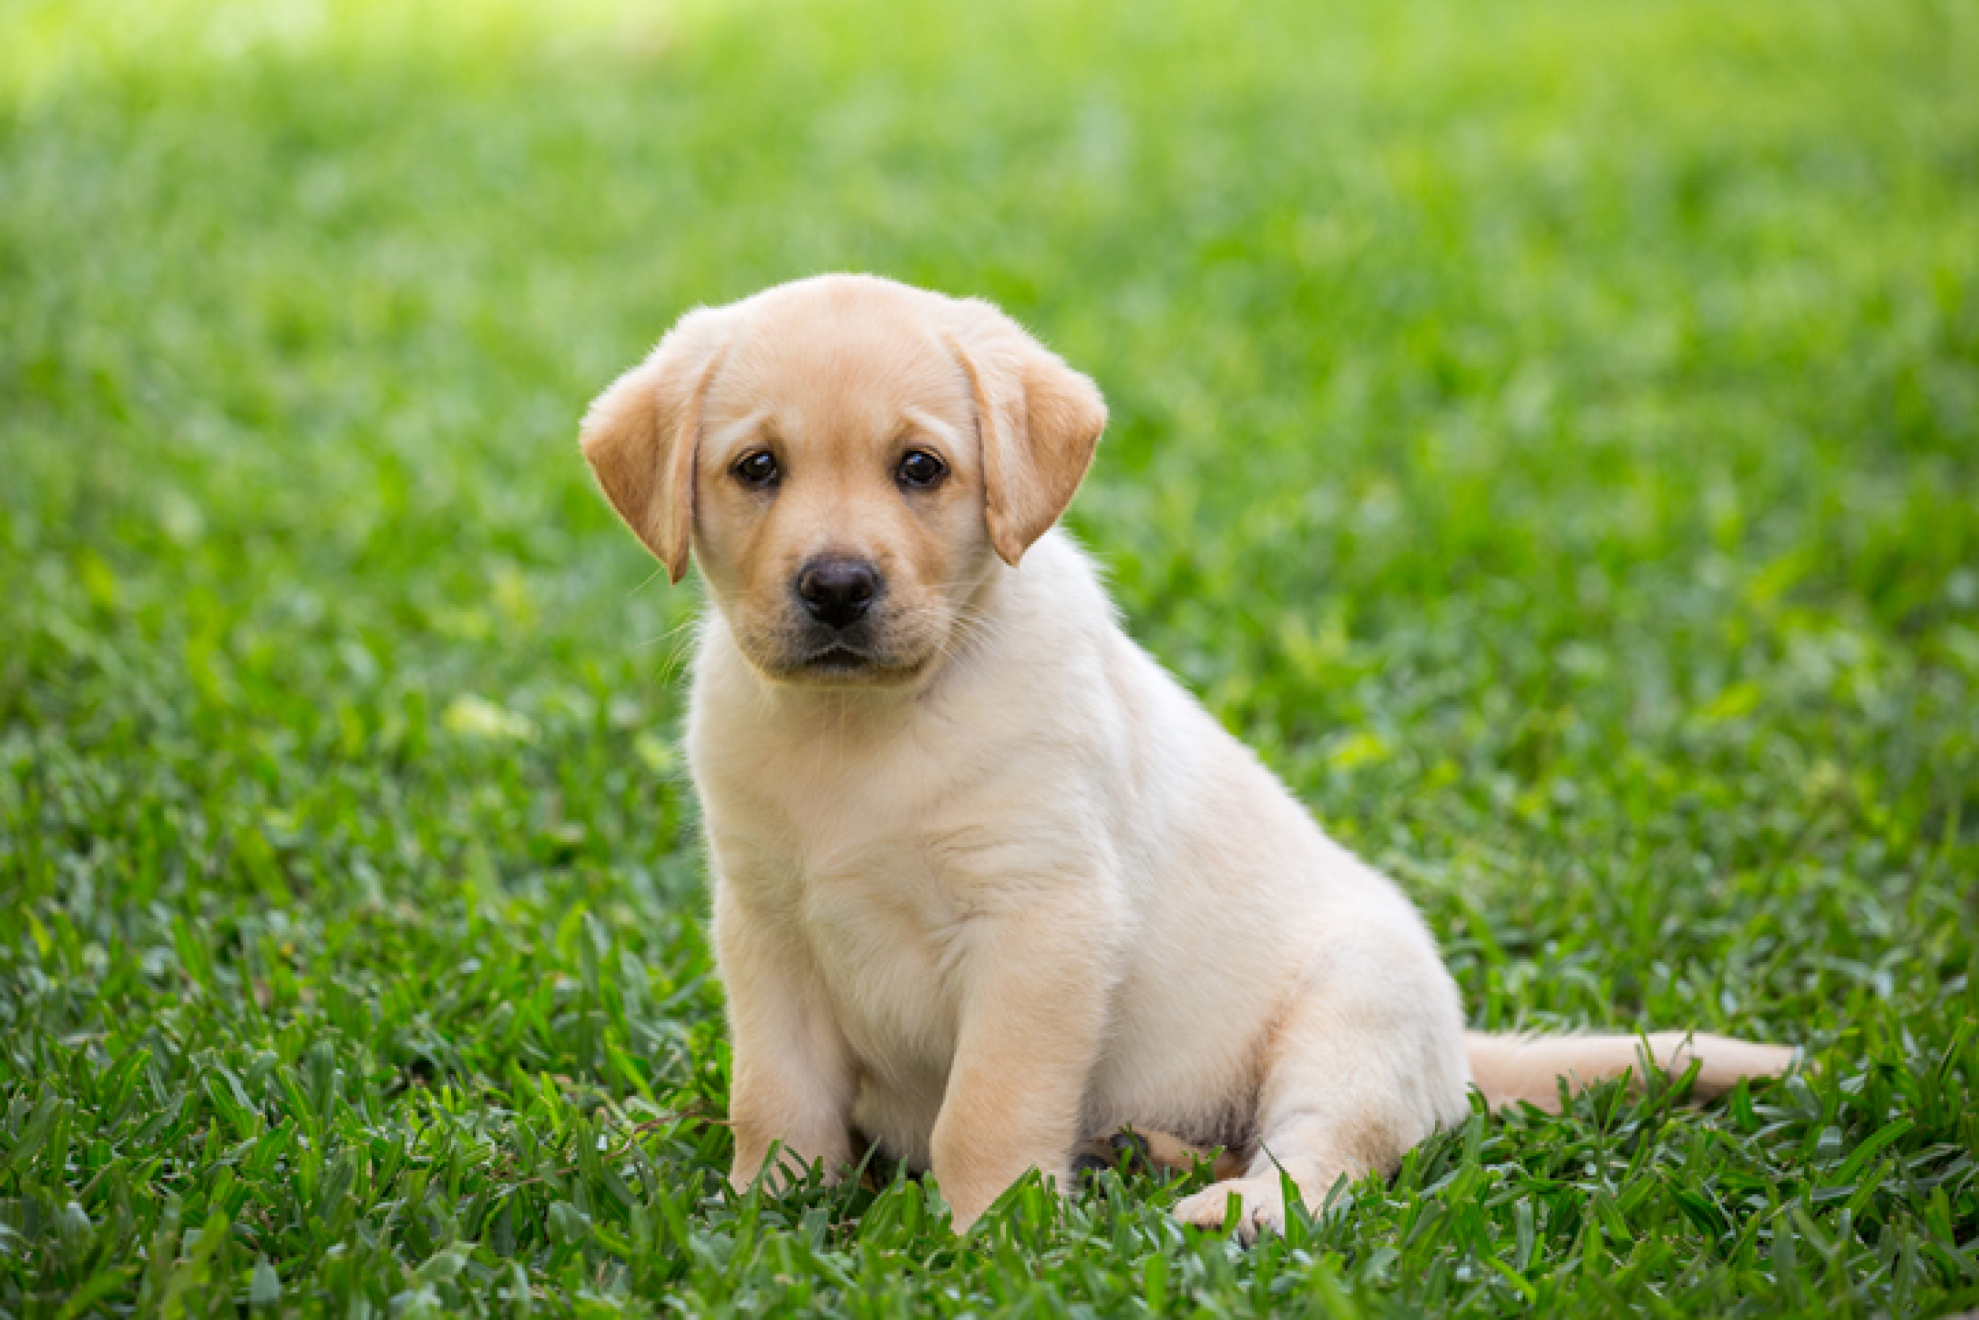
1005, 887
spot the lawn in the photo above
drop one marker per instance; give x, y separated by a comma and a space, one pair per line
1548, 432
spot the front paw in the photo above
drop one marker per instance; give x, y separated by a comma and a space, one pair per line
779, 1172
1261, 1206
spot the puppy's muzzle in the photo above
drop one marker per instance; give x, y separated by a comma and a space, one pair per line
838, 592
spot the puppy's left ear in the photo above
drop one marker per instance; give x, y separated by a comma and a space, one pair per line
1040, 422
641, 434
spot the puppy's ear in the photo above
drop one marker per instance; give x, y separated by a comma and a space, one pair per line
640, 435
1040, 422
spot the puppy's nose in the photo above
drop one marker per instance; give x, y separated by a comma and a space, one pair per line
837, 591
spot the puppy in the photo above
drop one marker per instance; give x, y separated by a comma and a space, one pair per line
988, 883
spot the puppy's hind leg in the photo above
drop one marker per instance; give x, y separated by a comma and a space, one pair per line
1367, 1061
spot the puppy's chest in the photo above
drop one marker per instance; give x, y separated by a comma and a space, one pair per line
852, 860
885, 936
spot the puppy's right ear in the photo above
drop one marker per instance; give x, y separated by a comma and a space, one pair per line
1040, 422
640, 436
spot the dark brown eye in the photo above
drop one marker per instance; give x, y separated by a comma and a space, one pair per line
756, 469
921, 470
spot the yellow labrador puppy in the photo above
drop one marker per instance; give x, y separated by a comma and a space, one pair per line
988, 882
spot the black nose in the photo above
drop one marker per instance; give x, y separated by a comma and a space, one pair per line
837, 591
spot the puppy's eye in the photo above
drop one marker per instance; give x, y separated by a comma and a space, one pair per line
757, 469
921, 470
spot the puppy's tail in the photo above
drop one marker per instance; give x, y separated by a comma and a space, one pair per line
1510, 1069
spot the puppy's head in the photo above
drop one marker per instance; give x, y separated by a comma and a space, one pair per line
848, 459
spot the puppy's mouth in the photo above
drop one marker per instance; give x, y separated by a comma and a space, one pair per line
873, 653
837, 661
837, 658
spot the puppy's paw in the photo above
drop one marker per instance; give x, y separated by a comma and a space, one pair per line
1263, 1202
788, 1170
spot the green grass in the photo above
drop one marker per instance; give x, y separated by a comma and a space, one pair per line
1549, 432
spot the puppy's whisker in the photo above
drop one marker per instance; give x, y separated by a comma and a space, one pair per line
676, 658
684, 626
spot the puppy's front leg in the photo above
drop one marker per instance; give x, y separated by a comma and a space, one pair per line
1033, 1013
793, 1076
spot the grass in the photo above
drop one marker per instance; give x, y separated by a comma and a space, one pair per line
1549, 433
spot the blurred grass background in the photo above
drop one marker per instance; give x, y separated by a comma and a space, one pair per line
1550, 433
